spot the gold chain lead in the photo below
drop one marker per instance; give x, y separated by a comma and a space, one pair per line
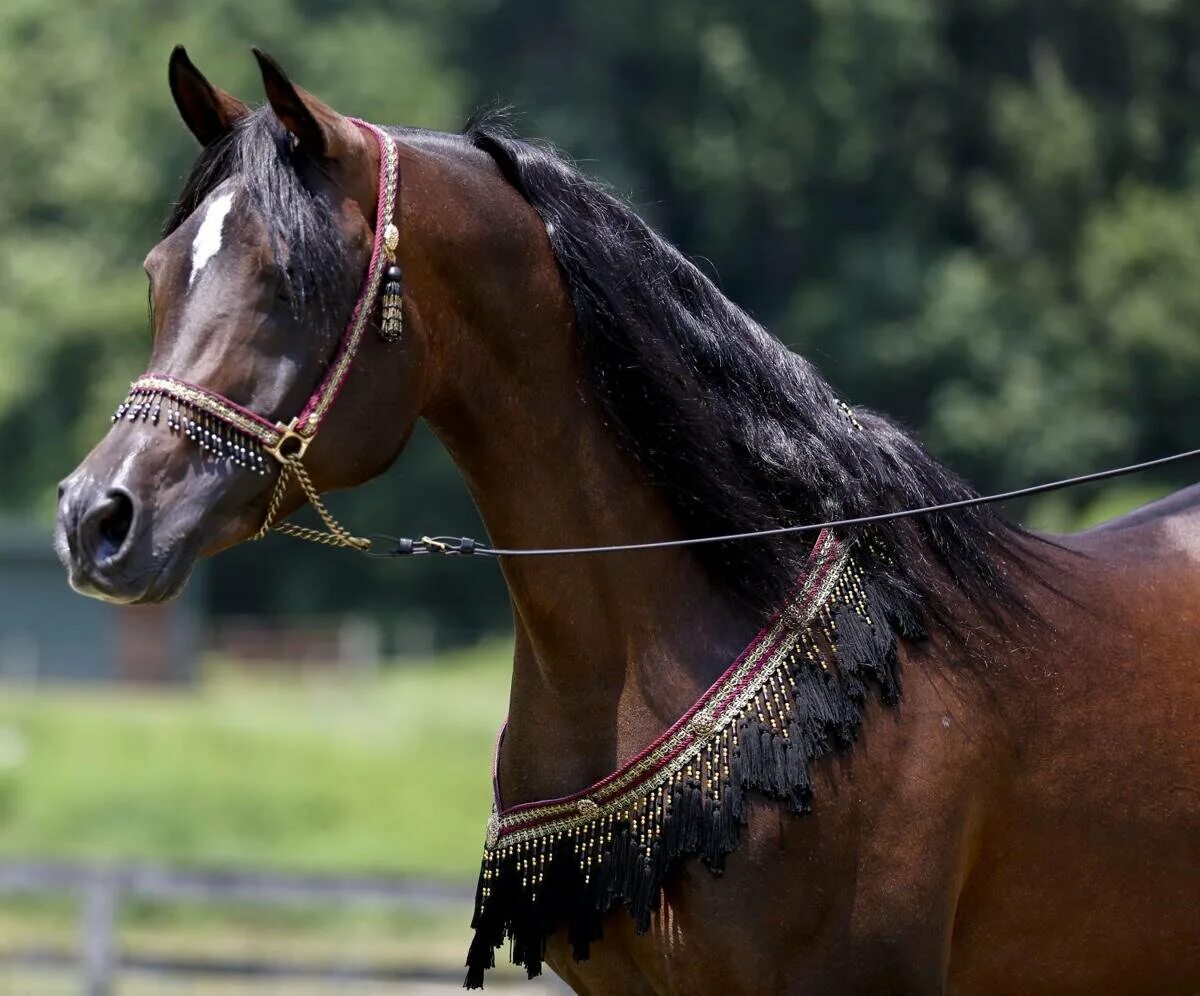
337, 535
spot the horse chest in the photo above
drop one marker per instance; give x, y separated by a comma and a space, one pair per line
772, 922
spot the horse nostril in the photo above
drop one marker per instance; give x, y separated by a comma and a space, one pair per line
110, 522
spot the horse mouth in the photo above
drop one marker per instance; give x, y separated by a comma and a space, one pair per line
161, 579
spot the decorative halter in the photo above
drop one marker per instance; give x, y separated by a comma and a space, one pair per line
795, 694
227, 431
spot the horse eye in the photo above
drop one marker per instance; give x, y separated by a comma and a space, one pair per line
283, 284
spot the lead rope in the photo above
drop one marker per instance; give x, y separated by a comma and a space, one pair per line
465, 546
451, 546
337, 535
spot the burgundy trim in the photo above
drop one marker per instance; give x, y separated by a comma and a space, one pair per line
328, 384
254, 416
825, 545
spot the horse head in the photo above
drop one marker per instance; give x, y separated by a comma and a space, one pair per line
253, 287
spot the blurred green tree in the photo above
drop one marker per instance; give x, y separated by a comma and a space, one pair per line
978, 215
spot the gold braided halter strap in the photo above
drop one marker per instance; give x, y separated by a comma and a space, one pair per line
229, 431
337, 534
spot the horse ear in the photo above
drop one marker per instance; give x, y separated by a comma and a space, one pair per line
207, 110
319, 130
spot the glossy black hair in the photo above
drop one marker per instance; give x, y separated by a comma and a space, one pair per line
736, 430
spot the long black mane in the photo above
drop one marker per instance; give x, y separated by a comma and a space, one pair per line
736, 430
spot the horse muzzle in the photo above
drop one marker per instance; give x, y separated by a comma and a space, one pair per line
104, 536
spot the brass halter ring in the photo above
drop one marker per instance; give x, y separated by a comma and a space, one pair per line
292, 445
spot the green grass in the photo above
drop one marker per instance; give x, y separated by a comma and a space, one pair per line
389, 774
221, 931
328, 773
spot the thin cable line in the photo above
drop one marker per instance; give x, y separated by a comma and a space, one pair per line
465, 546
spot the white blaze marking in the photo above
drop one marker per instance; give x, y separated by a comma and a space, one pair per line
208, 238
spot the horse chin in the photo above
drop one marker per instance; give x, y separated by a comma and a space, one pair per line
161, 588
160, 579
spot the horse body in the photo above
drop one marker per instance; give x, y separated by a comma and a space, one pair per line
946, 852
1025, 820
1029, 830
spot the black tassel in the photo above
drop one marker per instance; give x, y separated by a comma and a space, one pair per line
391, 325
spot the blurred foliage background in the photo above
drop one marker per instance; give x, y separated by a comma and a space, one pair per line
980, 215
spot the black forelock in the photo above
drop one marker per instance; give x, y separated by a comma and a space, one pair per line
736, 430
262, 155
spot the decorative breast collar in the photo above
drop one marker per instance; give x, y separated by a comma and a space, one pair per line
795, 694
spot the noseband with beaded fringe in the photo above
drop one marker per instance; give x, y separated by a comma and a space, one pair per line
229, 432
795, 694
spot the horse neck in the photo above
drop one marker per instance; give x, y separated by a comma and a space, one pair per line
610, 648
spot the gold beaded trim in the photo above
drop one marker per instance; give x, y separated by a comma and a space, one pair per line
694, 756
688, 741
206, 403
795, 695
748, 678
310, 419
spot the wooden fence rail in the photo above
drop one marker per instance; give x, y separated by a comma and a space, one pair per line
102, 889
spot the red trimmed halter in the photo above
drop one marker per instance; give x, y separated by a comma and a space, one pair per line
226, 430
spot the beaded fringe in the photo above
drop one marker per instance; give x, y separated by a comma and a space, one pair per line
391, 319
805, 702
215, 437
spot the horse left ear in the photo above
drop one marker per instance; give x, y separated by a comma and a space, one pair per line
319, 130
209, 112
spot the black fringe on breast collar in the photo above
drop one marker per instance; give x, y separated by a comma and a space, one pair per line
796, 694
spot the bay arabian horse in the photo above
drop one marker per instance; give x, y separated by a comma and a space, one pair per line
1025, 818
